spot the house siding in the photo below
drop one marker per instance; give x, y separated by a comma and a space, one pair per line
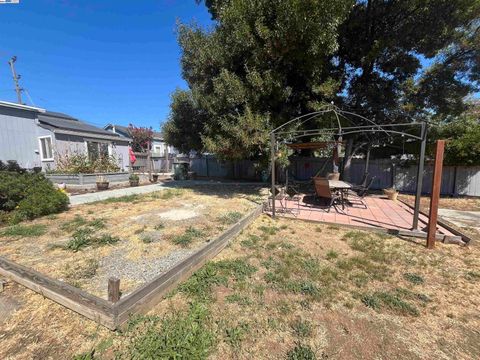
19, 134
71, 144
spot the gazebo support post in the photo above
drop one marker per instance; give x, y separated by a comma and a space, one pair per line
435, 196
367, 160
420, 176
272, 160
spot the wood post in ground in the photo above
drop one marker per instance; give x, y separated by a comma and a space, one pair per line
113, 289
2, 285
435, 196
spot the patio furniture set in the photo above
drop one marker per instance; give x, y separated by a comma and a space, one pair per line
327, 192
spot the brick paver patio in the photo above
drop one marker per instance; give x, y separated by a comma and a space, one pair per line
378, 213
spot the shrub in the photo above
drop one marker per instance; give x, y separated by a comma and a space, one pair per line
75, 163
26, 195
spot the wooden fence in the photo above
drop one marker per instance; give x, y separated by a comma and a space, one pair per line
456, 180
113, 314
159, 163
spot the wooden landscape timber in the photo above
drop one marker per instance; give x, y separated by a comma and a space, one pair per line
112, 314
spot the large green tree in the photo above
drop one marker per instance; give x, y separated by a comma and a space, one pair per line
265, 62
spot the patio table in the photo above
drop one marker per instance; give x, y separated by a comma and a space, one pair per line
342, 186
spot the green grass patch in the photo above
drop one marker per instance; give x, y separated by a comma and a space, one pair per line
230, 218
235, 335
24, 230
413, 278
168, 194
181, 335
472, 275
268, 230
302, 328
79, 221
188, 236
301, 352
121, 199
251, 241
331, 254
200, 285
239, 299
84, 237
392, 301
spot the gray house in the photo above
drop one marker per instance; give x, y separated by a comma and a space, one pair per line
35, 137
158, 144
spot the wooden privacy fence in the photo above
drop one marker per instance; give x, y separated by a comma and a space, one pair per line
159, 163
112, 314
456, 180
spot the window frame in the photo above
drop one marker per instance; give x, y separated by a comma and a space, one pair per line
42, 158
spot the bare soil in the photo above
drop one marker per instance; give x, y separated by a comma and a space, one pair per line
146, 227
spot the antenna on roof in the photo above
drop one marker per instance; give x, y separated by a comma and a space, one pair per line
16, 77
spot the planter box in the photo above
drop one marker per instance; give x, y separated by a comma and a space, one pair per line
86, 179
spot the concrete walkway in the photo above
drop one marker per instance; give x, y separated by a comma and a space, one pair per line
104, 195
461, 218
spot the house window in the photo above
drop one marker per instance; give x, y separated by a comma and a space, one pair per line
157, 149
46, 149
97, 150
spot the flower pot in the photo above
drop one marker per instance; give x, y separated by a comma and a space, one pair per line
155, 177
134, 182
333, 176
102, 185
392, 194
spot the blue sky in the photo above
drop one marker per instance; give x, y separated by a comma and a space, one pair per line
104, 61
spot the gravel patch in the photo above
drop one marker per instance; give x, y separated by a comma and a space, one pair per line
142, 270
178, 214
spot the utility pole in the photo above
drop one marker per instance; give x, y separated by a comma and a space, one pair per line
16, 77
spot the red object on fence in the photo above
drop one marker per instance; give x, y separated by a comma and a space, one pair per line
133, 158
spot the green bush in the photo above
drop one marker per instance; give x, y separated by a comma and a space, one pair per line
25, 195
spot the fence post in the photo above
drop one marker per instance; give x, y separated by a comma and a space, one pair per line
113, 289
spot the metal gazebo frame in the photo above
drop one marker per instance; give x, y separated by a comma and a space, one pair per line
370, 127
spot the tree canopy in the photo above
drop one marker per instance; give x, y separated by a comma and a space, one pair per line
265, 62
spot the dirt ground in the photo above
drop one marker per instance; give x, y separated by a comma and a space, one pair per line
462, 203
282, 289
134, 238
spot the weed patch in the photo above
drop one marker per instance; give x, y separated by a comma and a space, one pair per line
392, 301
24, 230
177, 336
413, 278
188, 236
301, 328
199, 286
84, 237
301, 352
230, 218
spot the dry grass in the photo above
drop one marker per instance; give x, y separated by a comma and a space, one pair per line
134, 230
285, 287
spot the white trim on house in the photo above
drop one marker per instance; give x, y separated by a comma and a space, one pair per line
42, 157
20, 106
92, 135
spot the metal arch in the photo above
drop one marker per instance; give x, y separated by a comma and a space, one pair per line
374, 127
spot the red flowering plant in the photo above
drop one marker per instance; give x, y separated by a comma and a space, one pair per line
142, 138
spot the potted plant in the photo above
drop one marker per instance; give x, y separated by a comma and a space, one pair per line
102, 182
155, 177
133, 179
391, 193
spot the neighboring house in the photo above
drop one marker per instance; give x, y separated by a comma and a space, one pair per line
35, 137
158, 144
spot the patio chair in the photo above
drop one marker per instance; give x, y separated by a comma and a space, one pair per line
362, 184
360, 194
279, 195
294, 196
322, 190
